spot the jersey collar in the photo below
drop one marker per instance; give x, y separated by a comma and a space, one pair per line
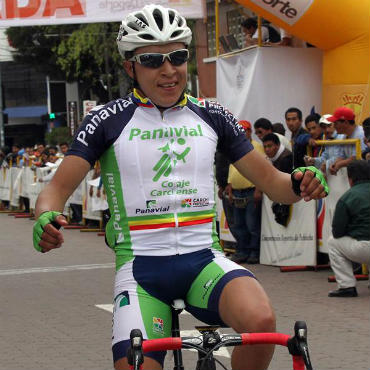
145, 102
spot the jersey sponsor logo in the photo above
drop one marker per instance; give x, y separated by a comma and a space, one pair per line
151, 203
98, 115
195, 202
160, 133
116, 215
152, 210
199, 102
182, 187
169, 160
158, 325
185, 203
122, 299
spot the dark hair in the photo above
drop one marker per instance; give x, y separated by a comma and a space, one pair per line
263, 123
52, 147
312, 118
278, 128
271, 137
64, 143
249, 22
358, 170
294, 110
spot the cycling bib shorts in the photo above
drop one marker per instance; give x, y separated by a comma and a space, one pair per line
146, 287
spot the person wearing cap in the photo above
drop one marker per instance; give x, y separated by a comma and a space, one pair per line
350, 241
156, 147
344, 123
331, 152
246, 201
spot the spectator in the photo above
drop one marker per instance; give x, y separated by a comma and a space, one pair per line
331, 152
315, 132
344, 122
281, 157
278, 128
263, 127
13, 157
250, 29
246, 200
366, 126
351, 229
222, 165
289, 40
293, 119
64, 147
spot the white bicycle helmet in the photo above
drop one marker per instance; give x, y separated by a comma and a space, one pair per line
152, 25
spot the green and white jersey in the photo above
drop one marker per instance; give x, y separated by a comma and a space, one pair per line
157, 169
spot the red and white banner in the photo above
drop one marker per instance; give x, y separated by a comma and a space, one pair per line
46, 12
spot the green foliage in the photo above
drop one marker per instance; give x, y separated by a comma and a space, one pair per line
58, 135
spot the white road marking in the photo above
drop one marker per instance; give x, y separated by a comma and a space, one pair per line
56, 269
109, 308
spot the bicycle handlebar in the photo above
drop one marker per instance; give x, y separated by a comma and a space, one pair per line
297, 345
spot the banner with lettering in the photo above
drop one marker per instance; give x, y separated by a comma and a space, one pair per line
293, 245
46, 12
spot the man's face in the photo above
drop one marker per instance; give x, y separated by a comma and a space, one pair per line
341, 126
314, 129
270, 148
163, 85
40, 148
15, 149
329, 130
293, 122
261, 132
249, 31
64, 148
52, 151
52, 158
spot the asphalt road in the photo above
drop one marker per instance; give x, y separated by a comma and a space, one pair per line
55, 307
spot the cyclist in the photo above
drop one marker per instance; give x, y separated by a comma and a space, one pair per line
156, 147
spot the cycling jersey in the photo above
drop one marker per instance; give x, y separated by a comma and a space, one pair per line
157, 170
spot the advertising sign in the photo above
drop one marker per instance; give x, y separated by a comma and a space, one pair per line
46, 12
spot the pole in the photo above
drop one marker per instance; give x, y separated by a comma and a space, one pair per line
259, 22
217, 28
2, 139
48, 93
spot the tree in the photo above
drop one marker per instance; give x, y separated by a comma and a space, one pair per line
86, 53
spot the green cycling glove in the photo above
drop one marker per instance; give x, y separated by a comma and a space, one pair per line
297, 183
38, 228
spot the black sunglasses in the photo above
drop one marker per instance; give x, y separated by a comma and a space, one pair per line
155, 60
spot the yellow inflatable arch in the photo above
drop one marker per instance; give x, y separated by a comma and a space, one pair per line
341, 29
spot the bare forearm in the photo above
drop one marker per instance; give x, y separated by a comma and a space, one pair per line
50, 199
275, 184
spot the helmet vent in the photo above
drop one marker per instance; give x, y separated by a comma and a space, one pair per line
134, 26
142, 19
175, 34
171, 16
158, 18
146, 36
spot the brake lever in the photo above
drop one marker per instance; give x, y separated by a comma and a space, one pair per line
135, 355
297, 345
